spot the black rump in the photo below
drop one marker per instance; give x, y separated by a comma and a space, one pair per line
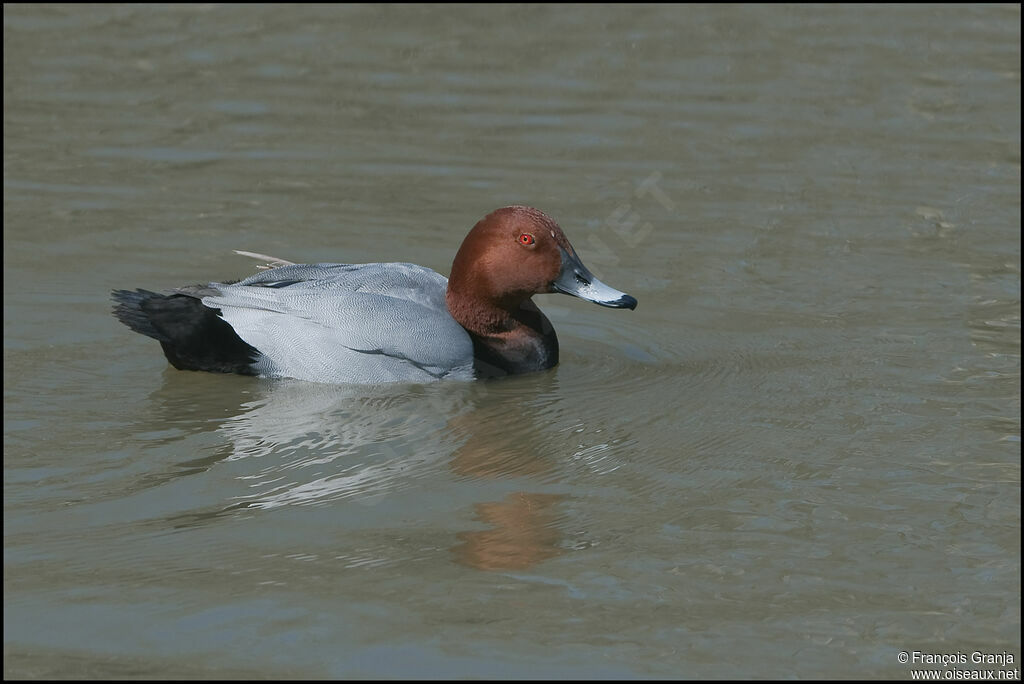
193, 336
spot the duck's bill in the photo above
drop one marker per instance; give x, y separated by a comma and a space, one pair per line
576, 280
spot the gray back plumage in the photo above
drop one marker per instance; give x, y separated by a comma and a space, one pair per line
347, 322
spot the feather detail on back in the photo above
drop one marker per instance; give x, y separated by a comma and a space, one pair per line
346, 323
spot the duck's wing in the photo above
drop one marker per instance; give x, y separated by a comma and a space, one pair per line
346, 322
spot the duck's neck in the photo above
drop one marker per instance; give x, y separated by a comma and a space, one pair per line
508, 338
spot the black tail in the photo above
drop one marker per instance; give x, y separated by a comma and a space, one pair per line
193, 336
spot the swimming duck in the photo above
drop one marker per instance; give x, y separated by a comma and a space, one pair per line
382, 322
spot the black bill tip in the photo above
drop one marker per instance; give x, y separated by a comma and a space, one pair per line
623, 302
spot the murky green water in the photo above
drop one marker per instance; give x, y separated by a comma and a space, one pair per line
798, 457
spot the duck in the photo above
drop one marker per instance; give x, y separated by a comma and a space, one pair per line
381, 322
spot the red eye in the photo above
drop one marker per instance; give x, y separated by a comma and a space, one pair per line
526, 239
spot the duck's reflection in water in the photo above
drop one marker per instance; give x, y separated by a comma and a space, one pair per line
524, 532
524, 526
325, 442
293, 443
